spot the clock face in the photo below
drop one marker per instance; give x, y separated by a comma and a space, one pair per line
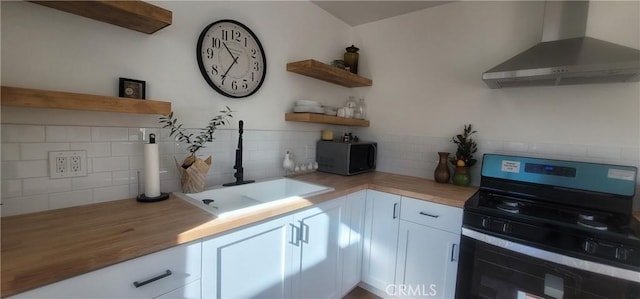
231, 58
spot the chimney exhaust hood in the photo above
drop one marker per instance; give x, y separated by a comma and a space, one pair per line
566, 56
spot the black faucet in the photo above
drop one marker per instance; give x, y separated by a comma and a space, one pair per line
239, 175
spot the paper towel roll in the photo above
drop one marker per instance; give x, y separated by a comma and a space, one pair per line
151, 170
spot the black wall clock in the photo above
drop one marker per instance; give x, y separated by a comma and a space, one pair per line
231, 58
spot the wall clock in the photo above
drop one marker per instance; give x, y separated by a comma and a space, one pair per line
231, 58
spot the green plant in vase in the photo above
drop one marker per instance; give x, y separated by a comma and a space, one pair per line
193, 170
463, 158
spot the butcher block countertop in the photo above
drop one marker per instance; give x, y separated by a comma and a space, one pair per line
45, 247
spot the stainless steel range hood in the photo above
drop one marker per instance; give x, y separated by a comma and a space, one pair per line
565, 55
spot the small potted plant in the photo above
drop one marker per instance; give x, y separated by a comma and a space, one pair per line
463, 159
193, 170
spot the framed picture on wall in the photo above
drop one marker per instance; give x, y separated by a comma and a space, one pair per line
130, 88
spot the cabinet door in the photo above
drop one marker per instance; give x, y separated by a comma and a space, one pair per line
317, 271
117, 281
251, 263
381, 239
427, 262
352, 236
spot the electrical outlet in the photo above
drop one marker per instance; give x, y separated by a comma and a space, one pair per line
66, 164
61, 165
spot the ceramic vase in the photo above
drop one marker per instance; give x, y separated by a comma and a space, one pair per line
461, 176
442, 174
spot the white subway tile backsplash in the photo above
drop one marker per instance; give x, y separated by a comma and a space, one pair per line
22, 133
24, 169
125, 177
45, 185
10, 151
137, 162
111, 193
23, 205
109, 134
166, 148
70, 199
11, 188
110, 163
604, 152
68, 134
97, 149
630, 153
100, 179
142, 134
39, 151
127, 148
116, 154
513, 146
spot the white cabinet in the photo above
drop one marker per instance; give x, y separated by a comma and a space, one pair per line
172, 270
428, 243
381, 239
352, 240
252, 262
295, 256
317, 260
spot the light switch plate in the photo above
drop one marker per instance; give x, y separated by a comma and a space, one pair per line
67, 164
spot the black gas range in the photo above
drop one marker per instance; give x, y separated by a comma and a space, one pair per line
552, 229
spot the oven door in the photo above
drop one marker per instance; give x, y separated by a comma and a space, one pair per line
492, 267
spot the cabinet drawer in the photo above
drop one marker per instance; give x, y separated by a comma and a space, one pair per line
117, 281
431, 214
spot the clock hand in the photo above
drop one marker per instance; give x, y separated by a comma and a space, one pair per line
235, 59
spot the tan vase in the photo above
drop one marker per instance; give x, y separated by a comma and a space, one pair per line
442, 174
193, 177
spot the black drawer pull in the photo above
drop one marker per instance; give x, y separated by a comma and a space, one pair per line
430, 215
161, 276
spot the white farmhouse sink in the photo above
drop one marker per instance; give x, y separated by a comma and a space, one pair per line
222, 201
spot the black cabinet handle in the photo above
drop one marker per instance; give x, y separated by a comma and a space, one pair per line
161, 276
429, 215
395, 208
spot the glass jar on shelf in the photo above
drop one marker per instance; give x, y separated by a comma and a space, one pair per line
361, 109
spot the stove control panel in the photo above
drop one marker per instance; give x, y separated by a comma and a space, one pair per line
607, 250
495, 224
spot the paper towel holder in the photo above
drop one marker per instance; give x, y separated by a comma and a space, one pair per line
141, 196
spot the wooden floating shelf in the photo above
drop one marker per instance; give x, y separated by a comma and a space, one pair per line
35, 98
318, 70
326, 119
135, 15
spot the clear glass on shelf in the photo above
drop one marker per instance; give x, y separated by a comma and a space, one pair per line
361, 109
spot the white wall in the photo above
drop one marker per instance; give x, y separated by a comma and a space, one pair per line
427, 67
49, 49
44, 48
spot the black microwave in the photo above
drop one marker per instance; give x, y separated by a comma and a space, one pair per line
346, 158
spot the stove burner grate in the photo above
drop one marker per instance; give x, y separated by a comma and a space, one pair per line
590, 221
509, 206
